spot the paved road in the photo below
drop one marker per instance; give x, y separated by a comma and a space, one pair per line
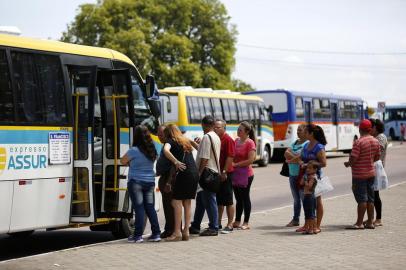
269, 191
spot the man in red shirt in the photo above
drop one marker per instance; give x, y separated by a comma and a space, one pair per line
365, 151
225, 194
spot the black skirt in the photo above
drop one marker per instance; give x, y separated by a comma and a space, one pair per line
185, 185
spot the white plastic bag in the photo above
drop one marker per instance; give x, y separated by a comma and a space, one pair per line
323, 186
381, 179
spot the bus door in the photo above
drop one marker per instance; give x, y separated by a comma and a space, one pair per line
83, 83
333, 141
308, 111
256, 123
117, 122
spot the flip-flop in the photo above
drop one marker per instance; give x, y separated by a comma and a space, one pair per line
355, 227
370, 227
316, 231
244, 227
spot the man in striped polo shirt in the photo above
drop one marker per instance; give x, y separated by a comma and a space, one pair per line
365, 151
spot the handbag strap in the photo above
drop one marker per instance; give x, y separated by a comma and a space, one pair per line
214, 152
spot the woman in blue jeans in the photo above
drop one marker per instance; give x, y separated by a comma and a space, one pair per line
141, 183
292, 156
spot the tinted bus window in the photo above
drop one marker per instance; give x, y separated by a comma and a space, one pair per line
28, 99
218, 112
233, 110
52, 89
243, 110
299, 107
207, 106
194, 111
6, 92
226, 110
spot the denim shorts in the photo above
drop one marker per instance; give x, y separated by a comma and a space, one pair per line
363, 190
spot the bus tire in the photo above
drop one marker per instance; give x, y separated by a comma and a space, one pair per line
22, 234
100, 228
263, 162
125, 227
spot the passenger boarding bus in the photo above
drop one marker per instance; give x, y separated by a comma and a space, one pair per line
393, 116
339, 117
67, 114
186, 107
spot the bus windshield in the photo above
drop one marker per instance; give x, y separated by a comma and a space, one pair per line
279, 101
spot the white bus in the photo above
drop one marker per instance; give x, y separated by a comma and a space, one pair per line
393, 116
67, 114
339, 117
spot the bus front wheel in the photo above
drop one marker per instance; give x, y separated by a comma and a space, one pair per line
263, 162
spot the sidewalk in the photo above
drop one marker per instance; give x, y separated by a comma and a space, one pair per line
268, 245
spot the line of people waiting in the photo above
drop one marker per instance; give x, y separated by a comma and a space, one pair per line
179, 179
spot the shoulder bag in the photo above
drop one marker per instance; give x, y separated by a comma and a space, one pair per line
210, 180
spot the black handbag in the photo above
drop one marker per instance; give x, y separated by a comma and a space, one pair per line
210, 180
285, 169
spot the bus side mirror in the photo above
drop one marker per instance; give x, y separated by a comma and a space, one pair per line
155, 107
270, 111
168, 107
150, 86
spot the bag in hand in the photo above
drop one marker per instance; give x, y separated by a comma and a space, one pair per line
285, 169
210, 180
323, 186
381, 178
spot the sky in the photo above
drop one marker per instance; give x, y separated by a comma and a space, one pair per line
347, 47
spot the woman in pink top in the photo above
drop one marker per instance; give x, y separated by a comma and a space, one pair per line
243, 174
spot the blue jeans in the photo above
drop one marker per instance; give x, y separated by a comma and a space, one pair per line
297, 198
142, 199
206, 201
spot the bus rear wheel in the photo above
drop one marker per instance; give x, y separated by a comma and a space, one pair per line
263, 162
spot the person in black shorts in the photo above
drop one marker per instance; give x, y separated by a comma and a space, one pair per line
225, 194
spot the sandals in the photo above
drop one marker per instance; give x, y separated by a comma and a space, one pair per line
236, 225
245, 227
355, 227
293, 224
173, 238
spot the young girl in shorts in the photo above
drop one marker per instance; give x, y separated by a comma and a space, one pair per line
309, 181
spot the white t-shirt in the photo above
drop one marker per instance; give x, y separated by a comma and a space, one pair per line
204, 150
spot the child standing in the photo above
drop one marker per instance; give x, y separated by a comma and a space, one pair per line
309, 181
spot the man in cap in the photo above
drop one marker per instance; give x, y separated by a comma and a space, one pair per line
365, 151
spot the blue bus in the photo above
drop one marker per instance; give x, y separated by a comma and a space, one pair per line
338, 115
393, 116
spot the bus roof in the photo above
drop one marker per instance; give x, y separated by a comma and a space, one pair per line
397, 106
303, 93
211, 94
61, 47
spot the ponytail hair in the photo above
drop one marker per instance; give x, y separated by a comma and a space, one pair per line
250, 129
317, 132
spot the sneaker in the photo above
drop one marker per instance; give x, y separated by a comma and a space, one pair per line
154, 238
209, 232
226, 230
193, 230
220, 227
133, 239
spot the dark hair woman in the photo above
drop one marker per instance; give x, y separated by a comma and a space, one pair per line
244, 156
141, 183
178, 150
377, 131
315, 151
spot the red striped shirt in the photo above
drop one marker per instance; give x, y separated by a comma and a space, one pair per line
364, 152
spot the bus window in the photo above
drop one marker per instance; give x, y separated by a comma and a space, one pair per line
53, 90
233, 111
207, 106
243, 110
299, 107
201, 107
321, 108
28, 104
194, 111
226, 110
218, 112
6, 92
40, 89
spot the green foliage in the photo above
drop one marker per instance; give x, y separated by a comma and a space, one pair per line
180, 42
